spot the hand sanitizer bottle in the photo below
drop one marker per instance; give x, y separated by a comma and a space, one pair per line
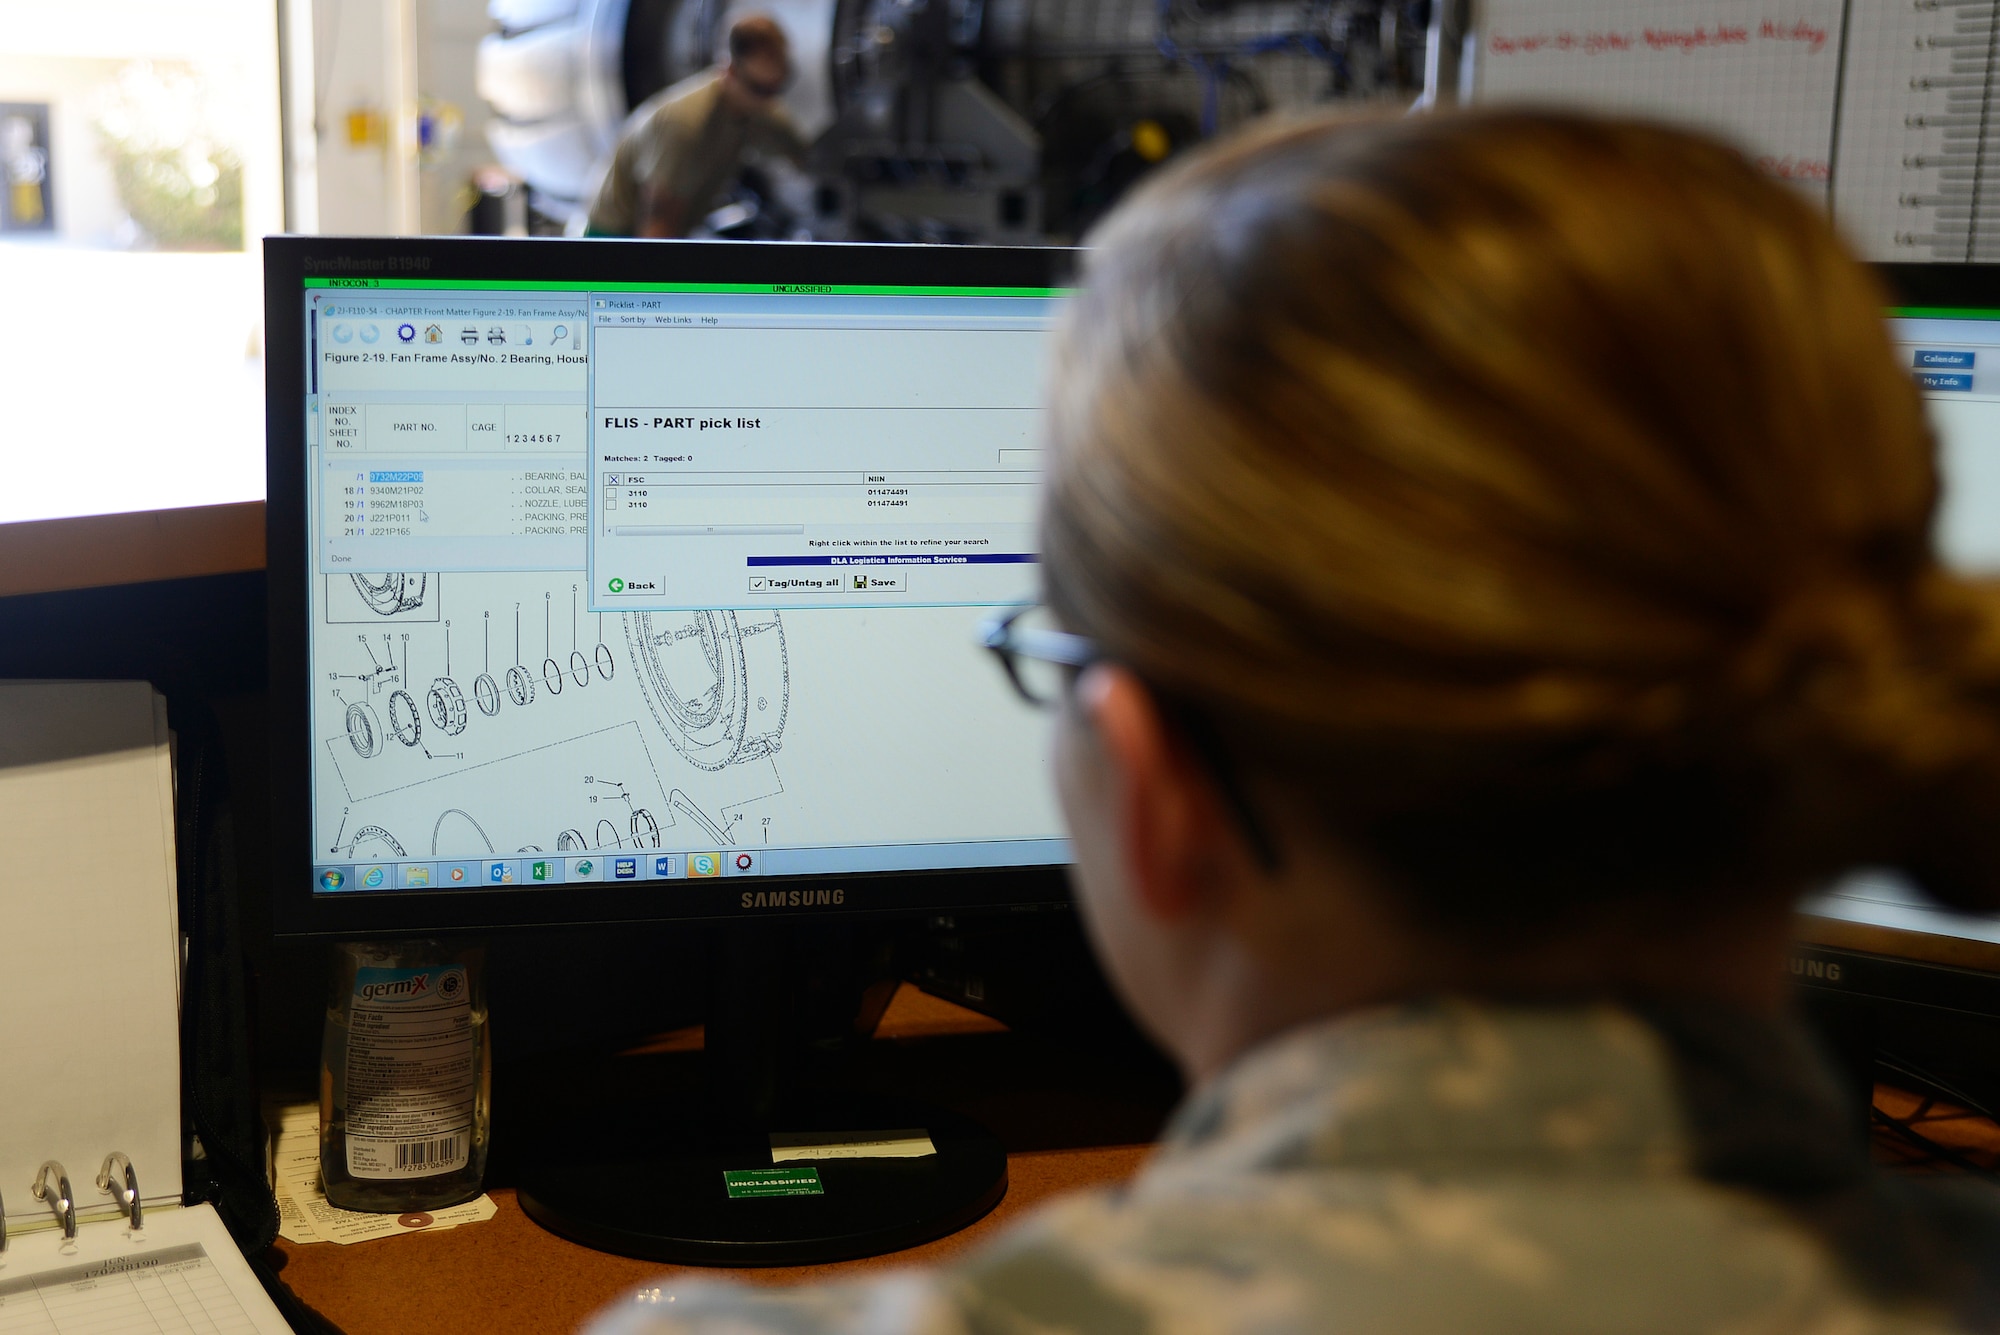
404, 1119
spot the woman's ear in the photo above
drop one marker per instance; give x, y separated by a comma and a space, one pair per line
1169, 826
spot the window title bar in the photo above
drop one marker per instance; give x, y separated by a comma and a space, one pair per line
707, 289
1944, 313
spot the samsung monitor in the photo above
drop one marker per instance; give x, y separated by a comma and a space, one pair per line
617, 582
628, 581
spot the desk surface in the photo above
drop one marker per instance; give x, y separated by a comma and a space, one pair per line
507, 1274
1078, 1128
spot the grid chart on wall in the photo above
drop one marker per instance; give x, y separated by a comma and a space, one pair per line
1884, 108
1918, 174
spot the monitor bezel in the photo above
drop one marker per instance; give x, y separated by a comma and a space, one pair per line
1941, 287
288, 261
1927, 291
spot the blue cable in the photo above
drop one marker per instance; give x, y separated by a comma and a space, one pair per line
1212, 69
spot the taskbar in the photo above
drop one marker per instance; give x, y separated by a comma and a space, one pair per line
532, 869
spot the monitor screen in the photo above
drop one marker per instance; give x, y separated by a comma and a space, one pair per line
663, 583
1954, 354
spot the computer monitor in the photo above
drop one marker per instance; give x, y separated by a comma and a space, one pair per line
1914, 982
625, 581
618, 582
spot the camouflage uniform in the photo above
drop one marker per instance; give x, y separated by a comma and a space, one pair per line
1463, 1168
690, 144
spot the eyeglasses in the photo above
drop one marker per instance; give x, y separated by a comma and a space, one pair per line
1039, 660
1043, 662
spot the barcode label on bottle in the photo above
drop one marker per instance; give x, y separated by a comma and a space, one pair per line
411, 1072
431, 1155
408, 1158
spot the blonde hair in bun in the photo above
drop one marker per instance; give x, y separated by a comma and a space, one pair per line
1535, 502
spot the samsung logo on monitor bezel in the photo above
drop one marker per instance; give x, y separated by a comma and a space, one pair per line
835, 897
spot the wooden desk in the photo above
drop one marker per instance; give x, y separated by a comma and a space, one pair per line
1083, 1126
507, 1274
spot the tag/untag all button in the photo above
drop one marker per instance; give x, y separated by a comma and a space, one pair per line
853, 581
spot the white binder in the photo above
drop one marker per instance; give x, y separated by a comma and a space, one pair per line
90, 1029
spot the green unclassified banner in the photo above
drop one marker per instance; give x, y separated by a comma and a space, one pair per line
748, 1183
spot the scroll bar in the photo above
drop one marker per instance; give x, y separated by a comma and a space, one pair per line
708, 530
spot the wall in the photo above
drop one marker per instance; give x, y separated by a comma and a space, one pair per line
448, 33
355, 67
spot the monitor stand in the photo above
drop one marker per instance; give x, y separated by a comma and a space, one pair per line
659, 1178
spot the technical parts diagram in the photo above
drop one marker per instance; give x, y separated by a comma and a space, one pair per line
373, 841
395, 596
717, 683
457, 834
403, 720
681, 803
447, 706
391, 595
576, 764
364, 730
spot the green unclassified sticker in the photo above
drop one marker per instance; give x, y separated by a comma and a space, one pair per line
746, 1183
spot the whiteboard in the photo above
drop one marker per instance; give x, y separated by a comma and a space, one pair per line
1765, 77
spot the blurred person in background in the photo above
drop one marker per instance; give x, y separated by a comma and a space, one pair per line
1489, 577
683, 148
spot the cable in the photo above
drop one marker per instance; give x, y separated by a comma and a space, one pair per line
1932, 1148
1213, 66
1931, 1089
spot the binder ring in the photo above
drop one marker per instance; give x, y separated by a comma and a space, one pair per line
60, 1198
3, 1226
117, 1177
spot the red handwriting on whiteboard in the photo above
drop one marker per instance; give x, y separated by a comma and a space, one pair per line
1586, 43
1789, 168
1772, 30
1695, 39
1701, 37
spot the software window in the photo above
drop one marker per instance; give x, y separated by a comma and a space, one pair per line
812, 451
659, 584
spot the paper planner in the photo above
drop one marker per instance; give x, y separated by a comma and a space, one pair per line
180, 1275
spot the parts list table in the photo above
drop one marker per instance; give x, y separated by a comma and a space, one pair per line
437, 499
